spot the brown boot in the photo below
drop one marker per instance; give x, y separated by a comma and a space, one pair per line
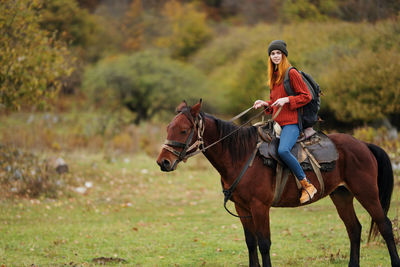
308, 191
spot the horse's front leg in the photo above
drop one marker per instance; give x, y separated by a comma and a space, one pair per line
260, 216
250, 236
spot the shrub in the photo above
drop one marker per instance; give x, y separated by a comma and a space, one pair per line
384, 138
146, 83
250, 83
365, 87
122, 142
24, 174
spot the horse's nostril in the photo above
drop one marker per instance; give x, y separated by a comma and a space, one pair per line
166, 163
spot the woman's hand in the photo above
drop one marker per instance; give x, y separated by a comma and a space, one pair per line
280, 102
260, 103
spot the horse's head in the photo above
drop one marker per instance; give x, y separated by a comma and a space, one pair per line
184, 136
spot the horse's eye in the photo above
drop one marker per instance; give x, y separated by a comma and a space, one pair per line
184, 132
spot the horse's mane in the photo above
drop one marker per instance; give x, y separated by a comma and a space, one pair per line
240, 143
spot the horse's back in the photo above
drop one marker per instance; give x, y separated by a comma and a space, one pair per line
349, 144
355, 157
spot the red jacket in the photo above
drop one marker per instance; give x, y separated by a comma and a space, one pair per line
288, 114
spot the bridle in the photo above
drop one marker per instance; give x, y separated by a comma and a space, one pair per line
199, 125
196, 147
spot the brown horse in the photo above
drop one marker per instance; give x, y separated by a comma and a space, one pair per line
362, 171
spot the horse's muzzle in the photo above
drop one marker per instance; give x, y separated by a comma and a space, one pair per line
165, 165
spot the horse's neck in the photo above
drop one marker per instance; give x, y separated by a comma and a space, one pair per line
220, 159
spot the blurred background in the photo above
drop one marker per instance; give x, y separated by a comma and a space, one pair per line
104, 76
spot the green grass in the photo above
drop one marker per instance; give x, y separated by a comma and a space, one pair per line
149, 218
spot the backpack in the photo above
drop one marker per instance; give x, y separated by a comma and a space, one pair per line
308, 114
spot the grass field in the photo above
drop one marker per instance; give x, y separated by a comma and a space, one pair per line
135, 215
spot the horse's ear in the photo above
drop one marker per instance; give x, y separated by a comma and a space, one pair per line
181, 106
196, 109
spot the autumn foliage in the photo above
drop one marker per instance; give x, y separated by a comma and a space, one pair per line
33, 60
220, 46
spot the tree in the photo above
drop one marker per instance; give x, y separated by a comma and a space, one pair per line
74, 25
68, 21
365, 87
186, 29
89, 4
251, 12
132, 27
370, 10
32, 60
146, 83
300, 10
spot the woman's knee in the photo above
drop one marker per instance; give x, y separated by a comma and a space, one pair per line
283, 152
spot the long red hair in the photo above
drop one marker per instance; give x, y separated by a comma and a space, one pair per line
276, 73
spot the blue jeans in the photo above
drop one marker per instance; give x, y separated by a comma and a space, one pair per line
289, 136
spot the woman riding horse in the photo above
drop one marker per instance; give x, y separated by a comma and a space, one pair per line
278, 64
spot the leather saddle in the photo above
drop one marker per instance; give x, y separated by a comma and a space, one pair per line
313, 150
321, 148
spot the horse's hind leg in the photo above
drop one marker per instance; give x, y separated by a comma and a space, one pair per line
343, 201
384, 226
250, 236
387, 232
368, 198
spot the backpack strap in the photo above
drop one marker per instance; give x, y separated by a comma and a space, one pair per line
289, 91
286, 82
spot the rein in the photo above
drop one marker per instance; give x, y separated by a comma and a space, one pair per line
198, 145
240, 127
228, 192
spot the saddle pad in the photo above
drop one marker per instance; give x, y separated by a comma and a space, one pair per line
323, 150
319, 145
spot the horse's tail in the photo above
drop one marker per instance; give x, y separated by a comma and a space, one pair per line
385, 183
